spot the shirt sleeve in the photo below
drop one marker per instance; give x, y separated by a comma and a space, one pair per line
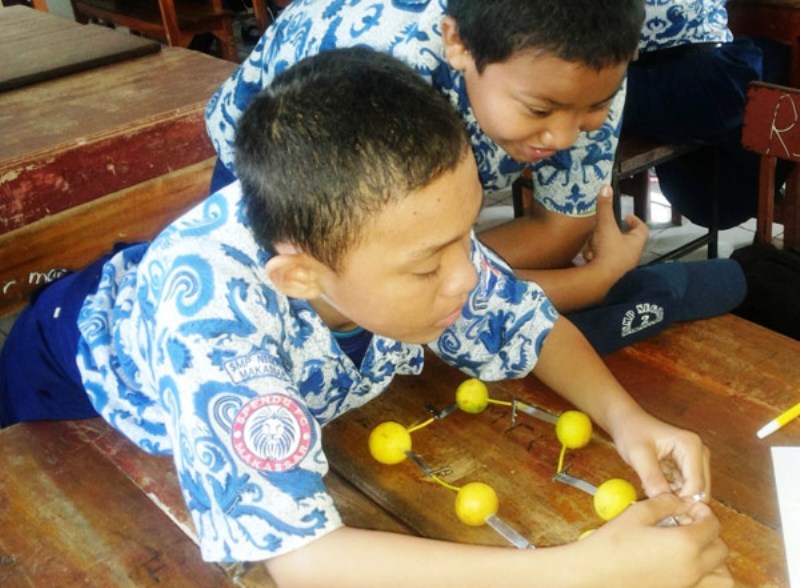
569, 181
503, 325
246, 446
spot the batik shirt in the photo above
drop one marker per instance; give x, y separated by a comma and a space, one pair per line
188, 349
410, 30
676, 22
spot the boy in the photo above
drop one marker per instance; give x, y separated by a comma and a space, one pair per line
536, 83
286, 300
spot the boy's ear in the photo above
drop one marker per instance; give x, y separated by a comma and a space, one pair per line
295, 274
454, 50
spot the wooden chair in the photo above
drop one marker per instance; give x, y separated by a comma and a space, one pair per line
633, 160
37, 4
772, 128
174, 21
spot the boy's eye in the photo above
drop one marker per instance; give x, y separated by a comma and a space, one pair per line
428, 275
539, 112
601, 107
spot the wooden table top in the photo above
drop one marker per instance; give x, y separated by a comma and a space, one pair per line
723, 378
38, 46
75, 138
77, 496
102, 146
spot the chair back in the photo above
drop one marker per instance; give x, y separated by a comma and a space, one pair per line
772, 129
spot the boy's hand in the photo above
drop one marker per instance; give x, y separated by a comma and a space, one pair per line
616, 250
666, 458
632, 547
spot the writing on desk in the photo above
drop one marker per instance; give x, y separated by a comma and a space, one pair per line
35, 278
784, 120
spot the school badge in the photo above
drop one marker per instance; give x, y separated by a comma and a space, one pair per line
272, 433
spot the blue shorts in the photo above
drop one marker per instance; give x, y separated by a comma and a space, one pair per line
39, 377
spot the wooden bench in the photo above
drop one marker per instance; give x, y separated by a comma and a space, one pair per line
174, 21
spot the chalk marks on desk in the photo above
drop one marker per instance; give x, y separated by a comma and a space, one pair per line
35, 278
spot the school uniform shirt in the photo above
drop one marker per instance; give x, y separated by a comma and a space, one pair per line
675, 22
567, 183
188, 349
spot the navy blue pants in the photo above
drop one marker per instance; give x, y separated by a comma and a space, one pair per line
699, 98
648, 299
39, 377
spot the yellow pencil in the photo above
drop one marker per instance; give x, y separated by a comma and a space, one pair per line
779, 421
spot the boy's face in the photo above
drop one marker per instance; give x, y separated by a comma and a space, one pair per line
411, 273
535, 104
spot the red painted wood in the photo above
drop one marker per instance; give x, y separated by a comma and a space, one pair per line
772, 128
104, 130
772, 121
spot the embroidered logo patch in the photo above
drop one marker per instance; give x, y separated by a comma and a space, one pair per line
272, 433
641, 317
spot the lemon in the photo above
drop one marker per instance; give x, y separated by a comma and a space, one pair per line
474, 502
612, 497
472, 396
573, 429
389, 441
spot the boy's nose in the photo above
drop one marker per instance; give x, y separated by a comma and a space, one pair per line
463, 277
562, 133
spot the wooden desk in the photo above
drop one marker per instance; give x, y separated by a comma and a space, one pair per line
176, 22
723, 377
71, 142
80, 503
37, 46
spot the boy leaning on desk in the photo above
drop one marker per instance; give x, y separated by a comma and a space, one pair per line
539, 84
347, 244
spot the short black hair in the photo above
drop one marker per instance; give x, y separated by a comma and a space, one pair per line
332, 140
595, 33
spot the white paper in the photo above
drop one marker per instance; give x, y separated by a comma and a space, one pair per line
786, 464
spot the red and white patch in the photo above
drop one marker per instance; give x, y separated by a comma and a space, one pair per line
272, 433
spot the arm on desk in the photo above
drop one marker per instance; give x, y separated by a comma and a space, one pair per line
549, 242
635, 553
649, 445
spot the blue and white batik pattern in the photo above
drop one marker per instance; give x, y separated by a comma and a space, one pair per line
410, 30
676, 22
188, 350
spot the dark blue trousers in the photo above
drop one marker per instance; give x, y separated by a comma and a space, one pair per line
699, 97
39, 377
